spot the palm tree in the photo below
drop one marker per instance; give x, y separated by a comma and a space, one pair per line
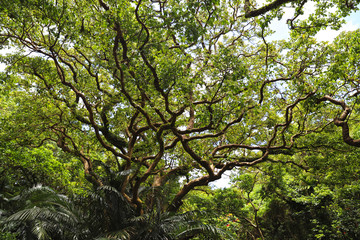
111, 217
41, 213
107, 213
169, 226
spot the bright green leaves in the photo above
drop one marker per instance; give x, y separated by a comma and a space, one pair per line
25, 167
245, 182
23, 121
345, 58
173, 70
227, 64
43, 20
186, 20
101, 78
323, 14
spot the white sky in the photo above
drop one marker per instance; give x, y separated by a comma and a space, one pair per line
2, 66
282, 31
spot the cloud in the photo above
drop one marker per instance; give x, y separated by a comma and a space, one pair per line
330, 35
3, 52
282, 31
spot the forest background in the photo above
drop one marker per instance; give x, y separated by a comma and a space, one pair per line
117, 118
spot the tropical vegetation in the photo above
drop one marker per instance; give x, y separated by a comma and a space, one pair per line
119, 116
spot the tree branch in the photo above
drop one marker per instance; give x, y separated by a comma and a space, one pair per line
260, 11
340, 121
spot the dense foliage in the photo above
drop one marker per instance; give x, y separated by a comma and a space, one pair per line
127, 110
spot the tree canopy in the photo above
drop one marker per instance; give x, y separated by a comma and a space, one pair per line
144, 93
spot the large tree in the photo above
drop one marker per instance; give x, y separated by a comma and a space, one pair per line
164, 89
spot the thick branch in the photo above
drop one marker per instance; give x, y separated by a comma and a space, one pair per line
340, 121
260, 11
204, 180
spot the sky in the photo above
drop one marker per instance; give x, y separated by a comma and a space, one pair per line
282, 31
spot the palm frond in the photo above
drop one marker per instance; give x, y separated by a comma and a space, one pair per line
209, 230
36, 190
44, 213
111, 189
40, 231
25, 215
123, 234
